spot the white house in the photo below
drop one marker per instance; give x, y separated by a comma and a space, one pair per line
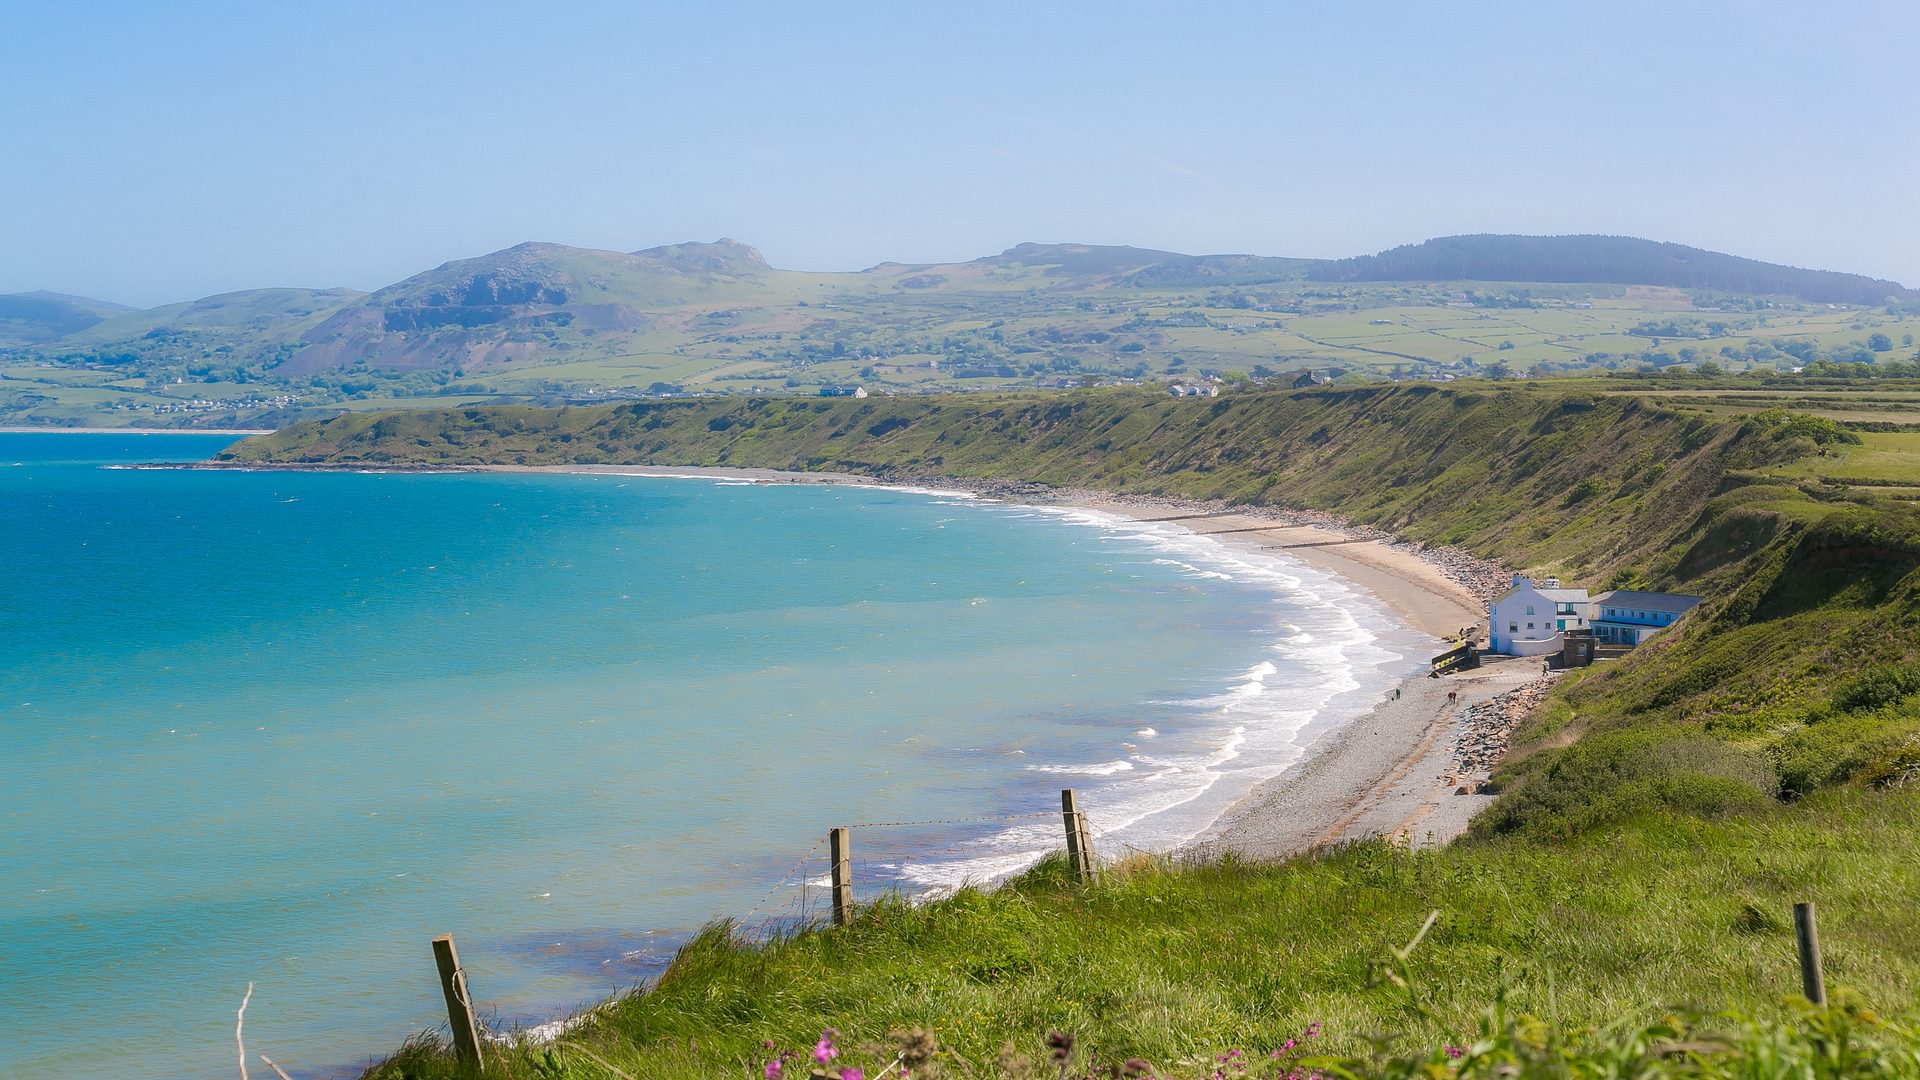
1191, 390
1526, 621
1570, 606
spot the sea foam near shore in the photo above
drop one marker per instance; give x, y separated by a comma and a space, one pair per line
1319, 653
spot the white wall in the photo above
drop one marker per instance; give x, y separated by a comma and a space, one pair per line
1523, 605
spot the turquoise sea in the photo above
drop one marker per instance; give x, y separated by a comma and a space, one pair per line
283, 728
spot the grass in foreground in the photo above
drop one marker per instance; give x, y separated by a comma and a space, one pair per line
1665, 916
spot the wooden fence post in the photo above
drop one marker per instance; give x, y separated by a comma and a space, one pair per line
453, 983
1079, 837
1812, 983
842, 864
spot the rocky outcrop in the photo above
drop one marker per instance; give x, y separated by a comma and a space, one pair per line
723, 256
499, 307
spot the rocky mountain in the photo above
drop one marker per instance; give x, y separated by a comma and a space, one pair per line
513, 304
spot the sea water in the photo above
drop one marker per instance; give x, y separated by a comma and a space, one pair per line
283, 728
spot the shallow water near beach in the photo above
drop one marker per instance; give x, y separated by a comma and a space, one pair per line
283, 728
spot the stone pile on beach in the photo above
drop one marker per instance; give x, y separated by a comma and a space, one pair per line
1488, 728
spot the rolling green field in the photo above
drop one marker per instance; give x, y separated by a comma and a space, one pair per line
1656, 818
741, 328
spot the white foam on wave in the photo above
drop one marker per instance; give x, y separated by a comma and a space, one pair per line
1328, 652
1194, 570
1104, 768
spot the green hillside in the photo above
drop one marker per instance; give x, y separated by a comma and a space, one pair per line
546, 324
1517, 473
38, 317
1620, 259
1658, 814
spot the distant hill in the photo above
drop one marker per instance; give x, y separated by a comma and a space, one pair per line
723, 256
1618, 260
263, 310
1097, 265
38, 317
508, 305
553, 322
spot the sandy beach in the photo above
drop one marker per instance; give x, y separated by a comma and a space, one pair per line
1407, 769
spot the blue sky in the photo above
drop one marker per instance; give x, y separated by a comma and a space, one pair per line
159, 152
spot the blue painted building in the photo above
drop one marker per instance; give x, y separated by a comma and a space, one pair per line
1629, 616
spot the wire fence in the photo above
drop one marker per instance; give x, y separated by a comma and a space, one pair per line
857, 864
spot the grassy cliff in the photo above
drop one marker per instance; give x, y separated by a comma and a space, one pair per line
1588, 485
1659, 812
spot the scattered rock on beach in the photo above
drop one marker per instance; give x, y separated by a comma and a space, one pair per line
1489, 727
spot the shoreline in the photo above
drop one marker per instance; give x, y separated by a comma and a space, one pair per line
1404, 769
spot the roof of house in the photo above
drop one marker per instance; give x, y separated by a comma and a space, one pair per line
1564, 596
1647, 601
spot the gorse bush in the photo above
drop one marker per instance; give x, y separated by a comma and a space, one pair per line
1877, 689
1618, 775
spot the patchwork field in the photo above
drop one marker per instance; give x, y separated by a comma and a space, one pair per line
1005, 327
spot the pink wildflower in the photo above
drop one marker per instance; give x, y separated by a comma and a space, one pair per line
853, 1072
772, 1070
1455, 1051
824, 1050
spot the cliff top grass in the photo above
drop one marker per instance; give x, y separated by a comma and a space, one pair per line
1669, 914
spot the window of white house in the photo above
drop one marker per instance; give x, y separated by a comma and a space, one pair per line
1529, 609
1513, 628
1529, 626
